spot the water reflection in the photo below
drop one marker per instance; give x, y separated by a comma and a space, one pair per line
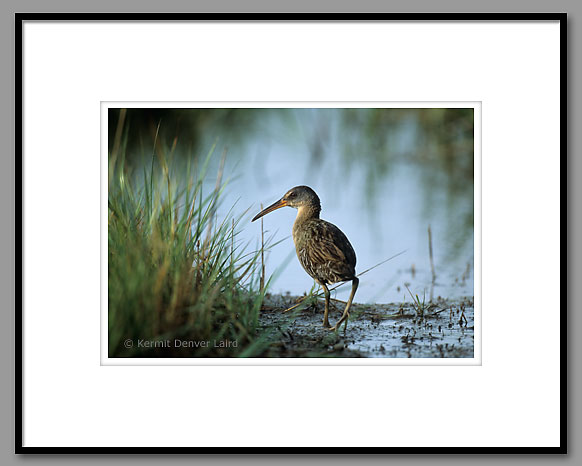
383, 176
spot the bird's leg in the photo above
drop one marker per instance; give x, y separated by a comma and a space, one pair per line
346, 313
326, 323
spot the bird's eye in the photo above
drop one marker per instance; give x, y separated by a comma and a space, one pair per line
291, 195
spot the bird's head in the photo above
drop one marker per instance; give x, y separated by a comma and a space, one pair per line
297, 197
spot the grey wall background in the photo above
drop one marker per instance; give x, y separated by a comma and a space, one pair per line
7, 264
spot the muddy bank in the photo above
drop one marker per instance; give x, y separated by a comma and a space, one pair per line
445, 330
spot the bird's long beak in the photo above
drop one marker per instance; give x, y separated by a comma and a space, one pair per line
277, 205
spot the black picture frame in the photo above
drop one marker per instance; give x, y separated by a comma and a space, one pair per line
19, 337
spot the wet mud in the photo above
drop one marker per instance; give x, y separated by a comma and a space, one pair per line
441, 329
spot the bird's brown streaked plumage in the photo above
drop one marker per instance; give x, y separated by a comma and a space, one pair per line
322, 249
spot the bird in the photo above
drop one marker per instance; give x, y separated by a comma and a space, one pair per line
323, 249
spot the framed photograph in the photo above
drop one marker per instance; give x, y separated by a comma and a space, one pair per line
224, 214
409, 164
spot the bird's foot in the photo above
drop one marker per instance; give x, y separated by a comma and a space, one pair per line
336, 327
326, 324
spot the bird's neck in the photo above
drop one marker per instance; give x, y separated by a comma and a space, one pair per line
307, 212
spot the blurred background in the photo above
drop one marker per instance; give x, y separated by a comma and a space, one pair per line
383, 176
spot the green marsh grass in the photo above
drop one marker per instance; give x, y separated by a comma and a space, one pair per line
175, 271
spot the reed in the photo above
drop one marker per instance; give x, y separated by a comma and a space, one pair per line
176, 273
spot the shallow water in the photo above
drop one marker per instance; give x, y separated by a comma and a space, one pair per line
406, 199
447, 330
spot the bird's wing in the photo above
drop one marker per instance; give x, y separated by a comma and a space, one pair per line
329, 253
